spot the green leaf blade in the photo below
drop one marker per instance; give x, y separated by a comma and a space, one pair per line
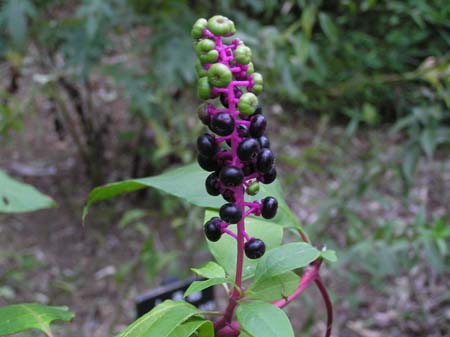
285, 258
17, 197
22, 317
261, 319
162, 320
201, 285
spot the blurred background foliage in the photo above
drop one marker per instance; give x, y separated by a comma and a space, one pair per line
370, 77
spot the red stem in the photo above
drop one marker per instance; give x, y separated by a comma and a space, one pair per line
328, 304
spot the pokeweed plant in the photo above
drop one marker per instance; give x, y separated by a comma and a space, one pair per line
260, 275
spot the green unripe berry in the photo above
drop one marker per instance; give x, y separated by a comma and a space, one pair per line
250, 69
243, 54
253, 189
221, 25
219, 75
206, 52
201, 72
258, 83
203, 88
248, 103
197, 29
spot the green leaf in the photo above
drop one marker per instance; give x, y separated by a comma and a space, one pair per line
261, 319
273, 288
285, 258
428, 142
203, 328
200, 285
328, 27
17, 197
224, 250
162, 320
186, 182
22, 317
329, 255
210, 270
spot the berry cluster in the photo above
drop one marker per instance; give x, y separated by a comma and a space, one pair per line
238, 153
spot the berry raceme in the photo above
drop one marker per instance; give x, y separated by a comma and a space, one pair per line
239, 154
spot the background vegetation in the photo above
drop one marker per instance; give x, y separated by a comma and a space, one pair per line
358, 97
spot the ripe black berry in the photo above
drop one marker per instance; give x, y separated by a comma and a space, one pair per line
228, 195
249, 168
258, 126
212, 229
231, 176
223, 97
264, 142
212, 184
242, 132
258, 110
230, 213
206, 145
248, 149
269, 207
203, 114
222, 124
254, 248
208, 164
269, 177
265, 161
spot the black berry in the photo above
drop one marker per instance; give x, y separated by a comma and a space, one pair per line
254, 248
249, 168
206, 145
224, 98
228, 195
258, 126
248, 149
258, 110
230, 213
212, 229
222, 124
265, 161
208, 164
212, 184
231, 176
264, 142
242, 131
269, 177
203, 114
269, 207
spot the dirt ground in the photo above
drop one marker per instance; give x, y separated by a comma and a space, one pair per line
49, 257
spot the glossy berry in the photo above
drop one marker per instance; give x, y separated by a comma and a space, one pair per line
248, 149
242, 132
228, 195
224, 98
222, 124
264, 142
249, 168
269, 177
265, 161
230, 213
258, 110
254, 248
212, 229
212, 184
206, 145
203, 114
231, 176
207, 163
269, 207
258, 125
